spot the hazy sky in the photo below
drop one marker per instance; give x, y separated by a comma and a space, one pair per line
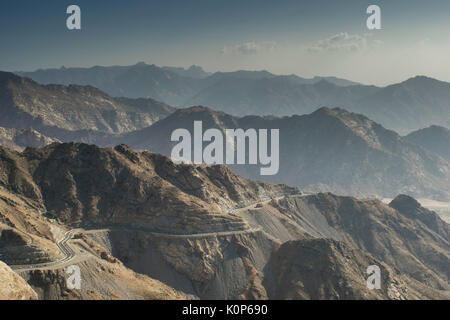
307, 38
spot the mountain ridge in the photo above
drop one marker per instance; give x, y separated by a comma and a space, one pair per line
328, 150
412, 104
49, 108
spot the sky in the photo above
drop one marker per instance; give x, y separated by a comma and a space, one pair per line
303, 37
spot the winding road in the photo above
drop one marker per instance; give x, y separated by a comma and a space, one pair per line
70, 254
63, 247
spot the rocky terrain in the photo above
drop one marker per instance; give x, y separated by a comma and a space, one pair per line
328, 269
13, 286
144, 227
327, 150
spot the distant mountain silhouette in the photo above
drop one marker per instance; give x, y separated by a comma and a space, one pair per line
404, 107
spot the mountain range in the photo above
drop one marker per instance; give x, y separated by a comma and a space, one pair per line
327, 150
173, 85
404, 107
58, 110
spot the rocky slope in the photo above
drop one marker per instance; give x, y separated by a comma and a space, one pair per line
13, 286
89, 185
327, 150
322, 269
103, 277
154, 229
403, 235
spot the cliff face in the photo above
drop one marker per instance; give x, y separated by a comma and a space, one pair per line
142, 221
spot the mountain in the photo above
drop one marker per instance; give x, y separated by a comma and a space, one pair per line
143, 227
55, 110
327, 150
415, 103
433, 138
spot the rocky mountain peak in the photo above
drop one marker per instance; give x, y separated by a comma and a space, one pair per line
405, 204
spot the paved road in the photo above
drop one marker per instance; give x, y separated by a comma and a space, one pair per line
174, 236
70, 253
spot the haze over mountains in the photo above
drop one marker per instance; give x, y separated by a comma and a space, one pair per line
327, 150
413, 104
172, 85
